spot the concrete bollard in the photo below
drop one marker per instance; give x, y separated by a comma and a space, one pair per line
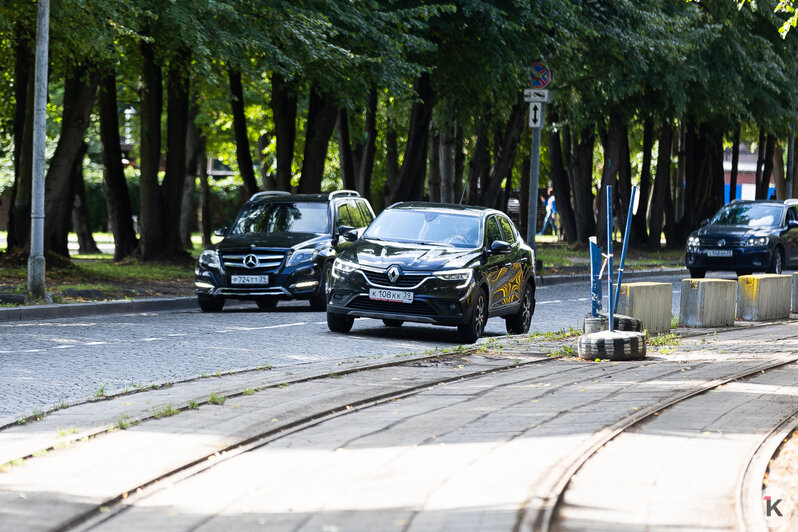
707, 303
794, 299
648, 302
763, 297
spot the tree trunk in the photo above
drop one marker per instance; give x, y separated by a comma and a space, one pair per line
19, 212
435, 167
661, 194
80, 211
447, 144
177, 121
391, 163
767, 171
413, 173
366, 166
479, 162
322, 113
778, 174
244, 157
562, 188
459, 164
345, 151
117, 198
523, 201
205, 195
190, 182
760, 162
284, 104
505, 155
624, 180
264, 164
23, 59
639, 234
80, 87
734, 164
582, 172
611, 140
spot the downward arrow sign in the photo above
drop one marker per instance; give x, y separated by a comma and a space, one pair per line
535, 114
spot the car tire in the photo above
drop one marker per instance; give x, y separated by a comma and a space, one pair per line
472, 331
393, 323
777, 261
519, 323
210, 303
338, 323
697, 273
319, 301
266, 303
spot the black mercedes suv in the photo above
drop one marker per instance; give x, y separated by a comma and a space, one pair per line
281, 246
435, 263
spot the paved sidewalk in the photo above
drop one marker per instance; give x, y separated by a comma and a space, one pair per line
311, 448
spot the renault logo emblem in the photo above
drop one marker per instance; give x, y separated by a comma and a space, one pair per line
393, 273
250, 261
721, 242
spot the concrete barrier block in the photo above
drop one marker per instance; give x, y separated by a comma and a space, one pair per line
707, 303
648, 302
764, 297
794, 298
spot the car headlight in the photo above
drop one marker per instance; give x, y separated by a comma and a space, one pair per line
341, 267
462, 277
302, 255
209, 259
758, 241
693, 241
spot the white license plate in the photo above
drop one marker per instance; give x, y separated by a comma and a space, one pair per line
249, 279
396, 296
719, 253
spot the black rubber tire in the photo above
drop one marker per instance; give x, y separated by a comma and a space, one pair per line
519, 323
744, 272
393, 323
266, 302
697, 273
777, 261
319, 300
472, 331
210, 303
621, 322
338, 323
612, 345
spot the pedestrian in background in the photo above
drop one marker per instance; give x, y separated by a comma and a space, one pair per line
551, 215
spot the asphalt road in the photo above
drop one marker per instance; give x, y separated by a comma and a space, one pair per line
45, 363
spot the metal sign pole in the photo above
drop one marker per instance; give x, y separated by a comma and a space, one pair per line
609, 257
534, 167
36, 258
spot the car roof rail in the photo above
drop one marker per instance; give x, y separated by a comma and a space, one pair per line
344, 193
267, 193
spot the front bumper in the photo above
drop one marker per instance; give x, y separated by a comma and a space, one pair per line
754, 258
434, 301
301, 282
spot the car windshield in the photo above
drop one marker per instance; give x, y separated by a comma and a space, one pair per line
426, 227
277, 217
749, 214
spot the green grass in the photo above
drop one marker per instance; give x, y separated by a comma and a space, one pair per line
216, 399
664, 340
562, 334
164, 411
559, 254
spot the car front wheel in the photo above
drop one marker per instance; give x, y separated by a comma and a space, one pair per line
338, 323
519, 323
777, 262
319, 300
472, 331
210, 303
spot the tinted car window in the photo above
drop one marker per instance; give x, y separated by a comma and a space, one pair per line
274, 217
752, 215
425, 227
492, 232
364, 210
357, 216
791, 214
507, 230
345, 216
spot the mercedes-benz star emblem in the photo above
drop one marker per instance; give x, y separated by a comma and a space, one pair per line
721, 242
250, 261
393, 273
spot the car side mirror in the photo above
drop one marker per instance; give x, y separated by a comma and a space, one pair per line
221, 231
704, 222
499, 247
792, 224
348, 232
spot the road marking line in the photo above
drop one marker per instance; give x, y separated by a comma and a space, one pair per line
238, 329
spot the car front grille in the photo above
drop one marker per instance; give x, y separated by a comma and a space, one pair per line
416, 308
265, 261
404, 280
712, 242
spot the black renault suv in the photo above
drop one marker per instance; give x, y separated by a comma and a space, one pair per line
281, 246
435, 263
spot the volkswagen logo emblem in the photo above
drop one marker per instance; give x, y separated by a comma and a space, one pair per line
250, 261
721, 242
393, 273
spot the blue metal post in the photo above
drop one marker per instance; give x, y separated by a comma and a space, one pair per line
625, 244
595, 279
609, 256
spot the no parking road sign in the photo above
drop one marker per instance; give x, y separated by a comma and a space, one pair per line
539, 76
